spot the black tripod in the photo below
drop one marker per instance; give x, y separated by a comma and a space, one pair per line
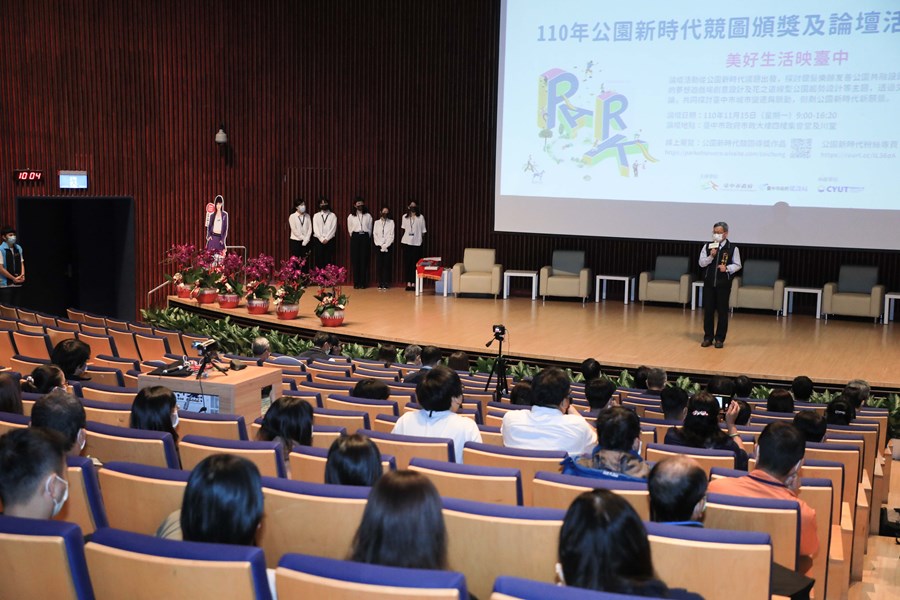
498, 370
208, 358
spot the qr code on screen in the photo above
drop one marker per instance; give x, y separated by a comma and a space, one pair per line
800, 147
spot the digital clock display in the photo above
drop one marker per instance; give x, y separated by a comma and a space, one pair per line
28, 175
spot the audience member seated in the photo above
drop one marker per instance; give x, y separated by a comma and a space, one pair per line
745, 411
590, 369
640, 377
459, 361
353, 460
552, 423
260, 349
63, 413
412, 355
402, 524
656, 381
677, 487
440, 395
780, 401
780, 450
10, 395
371, 389
840, 411
32, 474
387, 354
743, 387
222, 503
802, 388
811, 424
44, 379
701, 428
321, 349
289, 420
721, 386
521, 394
857, 391
429, 358
598, 392
72, 356
619, 447
603, 546
154, 409
336, 348
674, 402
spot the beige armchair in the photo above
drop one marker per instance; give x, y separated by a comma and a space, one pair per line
758, 286
856, 293
670, 281
477, 273
566, 276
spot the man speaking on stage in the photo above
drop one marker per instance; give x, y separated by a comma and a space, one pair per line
719, 260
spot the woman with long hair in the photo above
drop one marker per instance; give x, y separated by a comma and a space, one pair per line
701, 428
154, 409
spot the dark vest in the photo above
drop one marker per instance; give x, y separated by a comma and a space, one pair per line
711, 274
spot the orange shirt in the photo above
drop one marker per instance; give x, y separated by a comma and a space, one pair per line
759, 484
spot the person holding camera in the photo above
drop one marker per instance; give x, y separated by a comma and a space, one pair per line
701, 428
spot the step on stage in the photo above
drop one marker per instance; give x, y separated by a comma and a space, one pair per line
759, 345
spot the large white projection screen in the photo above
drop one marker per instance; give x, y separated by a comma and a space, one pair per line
655, 119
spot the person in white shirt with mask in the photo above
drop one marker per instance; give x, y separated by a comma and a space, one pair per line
719, 260
383, 236
324, 230
301, 229
359, 226
33, 481
413, 226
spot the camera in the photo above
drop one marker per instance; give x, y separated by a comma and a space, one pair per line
206, 347
499, 331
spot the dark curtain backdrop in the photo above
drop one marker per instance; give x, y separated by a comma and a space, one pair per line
387, 99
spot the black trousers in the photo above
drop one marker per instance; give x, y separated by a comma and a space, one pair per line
360, 248
411, 255
9, 295
383, 266
296, 247
715, 299
324, 253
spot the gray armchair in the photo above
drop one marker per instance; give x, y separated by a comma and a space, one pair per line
566, 276
670, 281
758, 286
856, 293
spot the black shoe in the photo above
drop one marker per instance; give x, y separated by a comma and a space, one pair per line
706, 343
410, 288
720, 344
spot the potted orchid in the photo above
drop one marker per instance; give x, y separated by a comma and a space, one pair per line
292, 282
184, 257
230, 283
259, 289
332, 300
208, 262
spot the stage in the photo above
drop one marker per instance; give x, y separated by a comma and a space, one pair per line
759, 345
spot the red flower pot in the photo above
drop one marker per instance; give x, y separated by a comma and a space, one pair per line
228, 300
334, 319
183, 291
286, 312
255, 306
207, 295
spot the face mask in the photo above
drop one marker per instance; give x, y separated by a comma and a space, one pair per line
83, 443
323, 208
58, 504
718, 237
174, 420
11, 240
301, 209
384, 215
360, 208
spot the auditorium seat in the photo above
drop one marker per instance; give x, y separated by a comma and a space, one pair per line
491, 435
555, 490
105, 375
45, 320
116, 324
308, 463
139, 497
94, 329
100, 344
84, 506
8, 312
528, 462
10, 421
174, 339
43, 559
33, 345
109, 443
349, 419
28, 316
518, 588
216, 425
305, 576
68, 325
143, 329
105, 393
372, 407
7, 348
405, 447
31, 327
114, 362
152, 347
499, 485
123, 564
125, 344
489, 540
385, 423
109, 413
57, 335
325, 390
267, 456
706, 458
26, 364
75, 315
93, 319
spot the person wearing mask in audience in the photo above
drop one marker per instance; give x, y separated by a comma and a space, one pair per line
12, 267
359, 226
439, 393
811, 424
289, 420
353, 460
590, 369
336, 347
321, 349
780, 401
674, 401
301, 229
857, 391
599, 392
10, 395
154, 409
33, 482
701, 429
802, 388
603, 546
402, 524
383, 236
413, 226
371, 389
324, 229
72, 357
429, 358
63, 413
44, 379
217, 227
412, 355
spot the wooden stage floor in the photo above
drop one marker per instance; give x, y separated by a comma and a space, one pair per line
761, 346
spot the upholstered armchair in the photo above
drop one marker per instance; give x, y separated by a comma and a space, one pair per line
856, 293
566, 276
670, 281
477, 273
757, 286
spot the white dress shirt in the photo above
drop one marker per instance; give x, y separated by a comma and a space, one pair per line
413, 230
546, 428
725, 246
324, 225
440, 424
383, 233
359, 222
301, 227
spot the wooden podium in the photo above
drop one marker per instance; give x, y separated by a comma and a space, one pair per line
239, 392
